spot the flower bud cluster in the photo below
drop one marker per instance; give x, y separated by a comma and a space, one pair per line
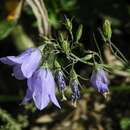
37, 65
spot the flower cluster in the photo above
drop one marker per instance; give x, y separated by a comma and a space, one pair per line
41, 84
38, 65
40, 81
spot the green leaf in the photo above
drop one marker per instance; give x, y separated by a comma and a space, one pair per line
79, 32
5, 28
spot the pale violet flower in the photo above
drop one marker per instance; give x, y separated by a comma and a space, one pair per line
25, 64
41, 88
99, 81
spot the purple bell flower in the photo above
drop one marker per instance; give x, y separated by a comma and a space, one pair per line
41, 87
25, 64
99, 81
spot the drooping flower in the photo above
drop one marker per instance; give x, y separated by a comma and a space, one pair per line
99, 81
75, 91
61, 82
41, 88
74, 84
25, 64
60, 79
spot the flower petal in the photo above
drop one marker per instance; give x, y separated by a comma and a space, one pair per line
31, 63
27, 97
10, 60
99, 80
18, 73
40, 95
103, 76
50, 84
102, 87
13, 60
54, 100
93, 79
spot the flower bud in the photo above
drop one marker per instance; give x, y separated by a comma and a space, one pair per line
107, 29
75, 91
74, 87
68, 24
99, 81
87, 57
66, 47
79, 32
60, 79
57, 65
73, 74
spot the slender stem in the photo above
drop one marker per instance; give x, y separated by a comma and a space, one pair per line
83, 78
125, 60
100, 55
78, 59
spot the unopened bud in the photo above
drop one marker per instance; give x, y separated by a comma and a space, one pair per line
73, 74
61, 83
57, 65
75, 91
88, 57
68, 24
66, 47
107, 29
79, 32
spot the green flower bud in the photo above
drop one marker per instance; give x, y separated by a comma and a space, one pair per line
107, 29
66, 47
88, 57
68, 24
61, 37
57, 65
79, 32
73, 74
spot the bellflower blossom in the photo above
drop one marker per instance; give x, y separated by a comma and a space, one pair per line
41, 88
25, 64
99, 81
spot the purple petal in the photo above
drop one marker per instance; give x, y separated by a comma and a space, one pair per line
103, 76
102, 87
27, 97
10, 60
31, 63
99, 81
54, 100
93, 79
40, 95
18, 73
13, 60
50, 83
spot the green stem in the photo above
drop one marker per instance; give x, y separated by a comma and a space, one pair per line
100, 55
124, 59
79, 59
